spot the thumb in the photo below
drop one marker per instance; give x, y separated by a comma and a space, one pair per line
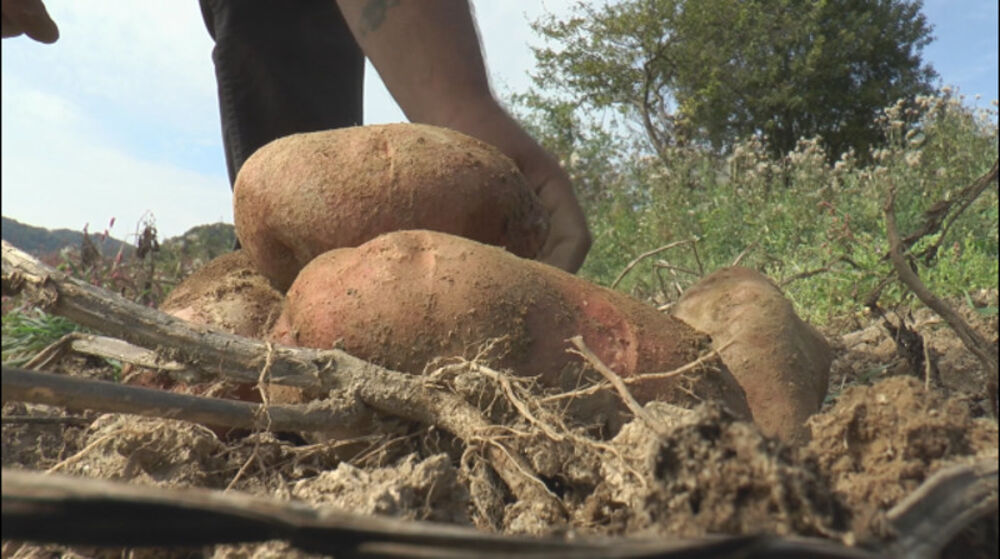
29, 17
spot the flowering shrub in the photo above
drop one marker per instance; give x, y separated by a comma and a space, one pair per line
815, 226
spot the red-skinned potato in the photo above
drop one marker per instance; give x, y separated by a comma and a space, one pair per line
781, 362
407, 297
302, 195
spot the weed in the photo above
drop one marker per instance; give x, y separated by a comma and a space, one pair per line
27, 331
813, 226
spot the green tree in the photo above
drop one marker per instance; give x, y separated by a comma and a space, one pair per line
716, 71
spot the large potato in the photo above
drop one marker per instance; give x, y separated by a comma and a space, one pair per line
302, 195
407, 297
782, 362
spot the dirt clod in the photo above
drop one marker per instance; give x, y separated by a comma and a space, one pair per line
878, 443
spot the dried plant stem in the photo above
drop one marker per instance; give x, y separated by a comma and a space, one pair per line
518, 403
592, 389
645, 255
739, 258
616, 381
979, 346
341, 418
682, 369
214, 353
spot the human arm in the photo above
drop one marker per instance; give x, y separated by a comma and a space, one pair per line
428, 55
27, 17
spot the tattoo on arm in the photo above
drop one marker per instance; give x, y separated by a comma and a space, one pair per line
373, 14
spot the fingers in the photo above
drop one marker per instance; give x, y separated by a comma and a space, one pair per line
569, 238
28, 17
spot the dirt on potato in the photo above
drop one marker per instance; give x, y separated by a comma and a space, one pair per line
227, 293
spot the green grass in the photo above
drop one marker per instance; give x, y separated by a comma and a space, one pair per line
28, 331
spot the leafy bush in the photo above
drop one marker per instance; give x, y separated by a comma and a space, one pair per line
816, 228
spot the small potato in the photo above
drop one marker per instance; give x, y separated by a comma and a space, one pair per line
408, 297
229, 294
781, 362
302, 195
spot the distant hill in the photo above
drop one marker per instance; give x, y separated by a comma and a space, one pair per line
39, 241
203, 241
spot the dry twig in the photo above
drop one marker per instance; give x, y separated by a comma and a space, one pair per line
642, 377
645, 255
739, 258
583, 351
979, 346
340, 418
940, 215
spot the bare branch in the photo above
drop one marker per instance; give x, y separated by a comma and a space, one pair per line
343, 419
980, 347
941, 213
646, 255
739, 258
616, 381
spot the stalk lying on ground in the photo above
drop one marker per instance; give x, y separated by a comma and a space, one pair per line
217, 354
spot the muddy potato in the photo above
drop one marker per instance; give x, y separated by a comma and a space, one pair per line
229, 294
407, 297
302, 195
781, 362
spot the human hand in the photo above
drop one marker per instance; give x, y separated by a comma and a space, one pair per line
429, 58
27, 17
569, 238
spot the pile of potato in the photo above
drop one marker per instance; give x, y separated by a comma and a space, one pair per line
302, 195
403, 243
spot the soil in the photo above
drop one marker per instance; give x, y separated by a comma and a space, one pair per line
883, 429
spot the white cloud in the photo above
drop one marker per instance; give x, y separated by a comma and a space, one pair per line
58, 171
151, 57
94, 183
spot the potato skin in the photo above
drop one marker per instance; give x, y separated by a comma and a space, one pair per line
302, 195
781, 362
229, 294
408, 297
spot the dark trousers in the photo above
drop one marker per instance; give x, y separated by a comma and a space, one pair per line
283, 66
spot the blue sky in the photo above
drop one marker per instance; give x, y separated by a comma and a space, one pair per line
119, 117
